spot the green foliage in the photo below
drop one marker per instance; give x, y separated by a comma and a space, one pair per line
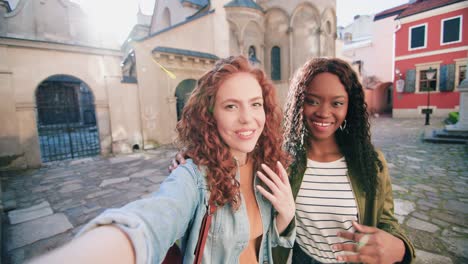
453, 117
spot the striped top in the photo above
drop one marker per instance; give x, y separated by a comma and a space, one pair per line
325, 205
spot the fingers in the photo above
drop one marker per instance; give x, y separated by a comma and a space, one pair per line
282, 173
268, 182
360, 258
266, 194
364, 229
272, 175
173, 165
180, 157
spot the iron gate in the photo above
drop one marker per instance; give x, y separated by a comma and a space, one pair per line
66, 120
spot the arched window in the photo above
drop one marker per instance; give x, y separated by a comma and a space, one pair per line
276, 63
166, 18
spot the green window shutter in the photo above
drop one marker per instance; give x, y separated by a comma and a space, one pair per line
447, 78
443, 79
450, 77
410, 83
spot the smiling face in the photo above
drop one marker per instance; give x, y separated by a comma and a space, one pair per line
325, 106
239, 113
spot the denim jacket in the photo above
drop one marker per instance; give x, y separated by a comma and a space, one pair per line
176, 212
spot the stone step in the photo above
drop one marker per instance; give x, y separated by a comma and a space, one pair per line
450, 134
430, 136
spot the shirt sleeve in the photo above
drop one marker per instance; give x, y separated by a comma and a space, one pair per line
154, 224
285, 239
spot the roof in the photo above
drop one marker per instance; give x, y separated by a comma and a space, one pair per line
390, 12
188, 20
199, 3
185, 52
244, 3
425, 5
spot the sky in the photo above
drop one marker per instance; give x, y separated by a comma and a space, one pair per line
119, 16
347, 9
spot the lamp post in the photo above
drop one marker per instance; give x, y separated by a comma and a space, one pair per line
429, 76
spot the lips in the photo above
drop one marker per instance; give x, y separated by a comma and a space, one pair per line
321, 124
245, 134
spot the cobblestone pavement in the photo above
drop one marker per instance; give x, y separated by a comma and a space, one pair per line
52, 203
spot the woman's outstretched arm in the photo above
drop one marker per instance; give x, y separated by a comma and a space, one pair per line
106, 244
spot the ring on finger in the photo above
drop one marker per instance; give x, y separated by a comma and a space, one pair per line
363, 241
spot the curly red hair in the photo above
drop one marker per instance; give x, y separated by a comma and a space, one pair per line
198, 133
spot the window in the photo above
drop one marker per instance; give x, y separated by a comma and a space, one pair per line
451, 30
423, 83
417, 37
276, 63
460, 70
426, 84
461, 74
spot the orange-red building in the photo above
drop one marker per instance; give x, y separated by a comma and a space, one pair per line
432, 35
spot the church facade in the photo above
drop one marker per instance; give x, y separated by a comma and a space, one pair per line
68, 94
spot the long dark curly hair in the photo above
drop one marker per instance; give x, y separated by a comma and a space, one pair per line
354, 141
199, 136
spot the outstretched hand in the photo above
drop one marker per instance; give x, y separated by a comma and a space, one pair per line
372, 245
280, 194
179, 159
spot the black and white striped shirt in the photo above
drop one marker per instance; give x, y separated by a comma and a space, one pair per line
325, 205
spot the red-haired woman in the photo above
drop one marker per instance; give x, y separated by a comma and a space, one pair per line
231, 129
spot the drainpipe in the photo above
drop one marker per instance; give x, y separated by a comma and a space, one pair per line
398, 27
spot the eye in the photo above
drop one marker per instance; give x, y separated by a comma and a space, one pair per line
338, 104
230, 106
257, 104
311, 101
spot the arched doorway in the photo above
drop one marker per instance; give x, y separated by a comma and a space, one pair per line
183, 91
66, 119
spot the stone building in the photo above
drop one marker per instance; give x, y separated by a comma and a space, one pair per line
54, 73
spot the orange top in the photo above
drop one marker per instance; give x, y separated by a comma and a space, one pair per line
250, 253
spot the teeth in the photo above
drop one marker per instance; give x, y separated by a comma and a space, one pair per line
246, 133
322, 124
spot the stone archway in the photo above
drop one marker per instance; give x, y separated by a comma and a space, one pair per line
183, 91
66, 119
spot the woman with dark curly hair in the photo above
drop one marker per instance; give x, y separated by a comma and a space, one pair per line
231, 129
344, 203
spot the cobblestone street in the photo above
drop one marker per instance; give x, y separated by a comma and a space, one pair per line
47, 206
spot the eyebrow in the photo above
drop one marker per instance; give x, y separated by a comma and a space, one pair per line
314, 95
237, 101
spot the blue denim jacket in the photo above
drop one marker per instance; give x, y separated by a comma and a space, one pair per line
176, 212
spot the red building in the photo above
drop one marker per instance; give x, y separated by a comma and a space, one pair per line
431, 36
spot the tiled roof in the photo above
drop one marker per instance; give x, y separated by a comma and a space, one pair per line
199, 3
244, 3
185, 52
390, 12
425, 5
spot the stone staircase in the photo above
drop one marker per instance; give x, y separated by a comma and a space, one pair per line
446, 136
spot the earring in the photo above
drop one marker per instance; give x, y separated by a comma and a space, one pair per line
343, 125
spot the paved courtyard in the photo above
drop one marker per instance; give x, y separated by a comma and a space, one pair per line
47, 206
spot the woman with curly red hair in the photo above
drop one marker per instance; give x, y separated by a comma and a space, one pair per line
231, 129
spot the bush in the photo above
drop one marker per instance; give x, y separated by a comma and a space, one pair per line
453, 117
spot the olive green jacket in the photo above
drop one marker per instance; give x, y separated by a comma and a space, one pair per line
377, 212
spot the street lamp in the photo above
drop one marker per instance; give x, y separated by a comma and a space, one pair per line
430, 74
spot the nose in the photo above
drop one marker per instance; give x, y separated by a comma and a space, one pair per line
245, 116
323, 111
